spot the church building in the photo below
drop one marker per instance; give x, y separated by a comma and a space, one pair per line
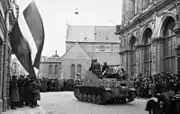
84, 43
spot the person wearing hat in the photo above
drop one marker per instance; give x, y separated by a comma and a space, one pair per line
14, 93
105, 68
92, 62
96, 68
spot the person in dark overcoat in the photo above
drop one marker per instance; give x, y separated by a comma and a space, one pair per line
27, 92
35, 91
14, 93
21, 90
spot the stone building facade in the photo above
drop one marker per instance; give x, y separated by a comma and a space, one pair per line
50, 67
149, 36
6, 21
83, 43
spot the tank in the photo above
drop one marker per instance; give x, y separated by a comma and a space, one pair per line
102, 90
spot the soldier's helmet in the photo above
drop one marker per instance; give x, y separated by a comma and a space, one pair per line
95, 60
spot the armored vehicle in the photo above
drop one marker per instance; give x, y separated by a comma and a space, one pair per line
101, 90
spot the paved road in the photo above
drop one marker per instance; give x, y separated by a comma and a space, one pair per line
66, 103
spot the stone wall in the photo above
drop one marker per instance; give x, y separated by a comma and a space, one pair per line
5, 55
44, 70
151, 17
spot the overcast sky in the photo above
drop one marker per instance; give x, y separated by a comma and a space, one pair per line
56, 14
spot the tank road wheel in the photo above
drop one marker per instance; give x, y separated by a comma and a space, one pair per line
108, 95
84, 97
123, 101
94, 98
81, 96
76, 93
132, 96
98, 99
89, 98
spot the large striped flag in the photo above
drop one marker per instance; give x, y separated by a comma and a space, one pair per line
27, 38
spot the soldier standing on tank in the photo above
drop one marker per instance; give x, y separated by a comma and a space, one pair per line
96, 68
105, 68
92, 61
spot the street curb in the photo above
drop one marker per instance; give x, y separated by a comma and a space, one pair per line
38, 110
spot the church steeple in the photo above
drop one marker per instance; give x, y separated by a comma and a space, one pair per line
56, 55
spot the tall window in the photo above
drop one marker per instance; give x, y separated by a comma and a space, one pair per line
147, 50
79, 68
73, 71
133, 55
50, 69
56, 69
169, 45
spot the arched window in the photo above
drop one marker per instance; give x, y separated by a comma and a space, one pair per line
147, 50
50, 69
168, 45
133, 55
79, 68
73, 71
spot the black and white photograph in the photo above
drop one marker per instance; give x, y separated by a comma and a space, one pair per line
89, 56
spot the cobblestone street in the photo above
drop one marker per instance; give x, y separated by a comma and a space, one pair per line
65, 103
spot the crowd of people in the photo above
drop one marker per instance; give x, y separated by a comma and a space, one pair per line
24, 91
55, 84
148, 86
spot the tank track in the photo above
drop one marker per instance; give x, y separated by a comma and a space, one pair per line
96, 95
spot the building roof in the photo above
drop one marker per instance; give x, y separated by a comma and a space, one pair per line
53, 58
76, 52
89, 33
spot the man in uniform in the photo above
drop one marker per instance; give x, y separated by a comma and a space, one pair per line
96, 68
92, 62
105, 68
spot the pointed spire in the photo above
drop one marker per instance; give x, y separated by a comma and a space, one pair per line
56, 55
